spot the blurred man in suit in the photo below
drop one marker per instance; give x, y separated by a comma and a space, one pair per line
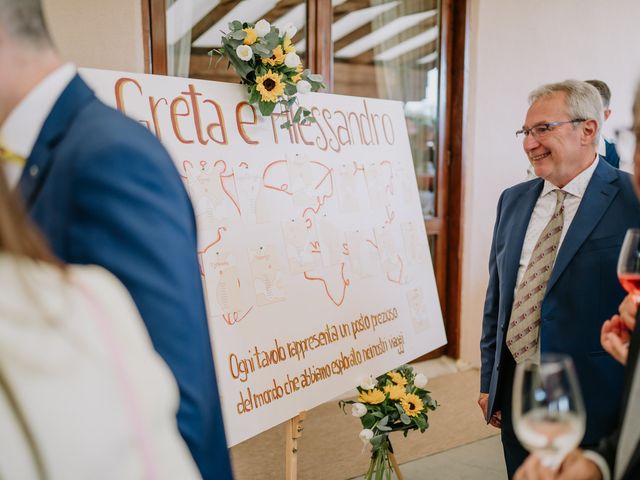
552, 267
104, 191
606, 148
617, 456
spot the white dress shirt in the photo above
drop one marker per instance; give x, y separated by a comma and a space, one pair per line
544, 208
22, 127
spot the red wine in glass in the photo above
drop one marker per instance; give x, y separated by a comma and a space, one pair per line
629, 262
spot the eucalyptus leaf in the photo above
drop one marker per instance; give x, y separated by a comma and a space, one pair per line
404, 418
286, 125
261, 50
239, 35
316, 78
296, 119
266, 108
290, 90
235, 25
254, 97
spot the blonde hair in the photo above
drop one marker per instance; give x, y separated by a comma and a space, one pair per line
17, 235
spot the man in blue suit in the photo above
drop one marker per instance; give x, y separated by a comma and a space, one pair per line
104, 191
606, 149
552, 267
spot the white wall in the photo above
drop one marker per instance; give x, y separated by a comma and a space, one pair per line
98, 33
516, 46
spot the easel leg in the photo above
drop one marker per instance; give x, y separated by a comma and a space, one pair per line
395, 466
294, 432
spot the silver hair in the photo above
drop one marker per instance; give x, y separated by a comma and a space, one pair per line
24, 21
582, 100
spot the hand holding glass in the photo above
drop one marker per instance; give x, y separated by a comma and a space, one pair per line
548, 412
629, 263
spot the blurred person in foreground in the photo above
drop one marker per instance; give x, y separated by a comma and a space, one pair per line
618, 456
104, 191
83, 394
552, 267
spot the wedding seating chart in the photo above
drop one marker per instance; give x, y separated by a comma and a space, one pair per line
312, 247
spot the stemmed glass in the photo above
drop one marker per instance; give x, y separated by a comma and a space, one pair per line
548, 412
629, 263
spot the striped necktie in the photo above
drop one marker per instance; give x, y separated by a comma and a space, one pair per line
7, 157
524, 324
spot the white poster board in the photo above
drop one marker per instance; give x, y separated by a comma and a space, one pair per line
312, 246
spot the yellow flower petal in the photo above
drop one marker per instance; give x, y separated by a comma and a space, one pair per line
372, 397
412, 405
270, 87
396, 392
251, 37
397, 378
276, 58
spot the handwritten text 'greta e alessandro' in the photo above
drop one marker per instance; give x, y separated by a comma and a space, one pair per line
333, 130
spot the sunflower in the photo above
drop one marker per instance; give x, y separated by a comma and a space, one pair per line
412, 405
287, 44
298, 76
396, 392
277, 58
372, 397
251, 37
270, 87
397, 378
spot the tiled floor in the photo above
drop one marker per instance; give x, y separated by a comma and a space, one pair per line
481, 460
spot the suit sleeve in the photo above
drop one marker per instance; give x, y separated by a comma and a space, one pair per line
490, 316
131, 215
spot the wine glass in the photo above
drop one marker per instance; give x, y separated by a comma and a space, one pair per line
629, 263
548, 412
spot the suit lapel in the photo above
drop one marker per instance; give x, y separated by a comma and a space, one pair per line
73, 98
515, 238
598, 196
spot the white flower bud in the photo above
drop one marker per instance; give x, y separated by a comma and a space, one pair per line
366, 383
262, 28
292, 60
358, 410
244, 52
366, 435
290, 29
420, 381
305, 87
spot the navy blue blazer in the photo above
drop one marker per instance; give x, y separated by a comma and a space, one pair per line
611, 154
583, 290
104, 191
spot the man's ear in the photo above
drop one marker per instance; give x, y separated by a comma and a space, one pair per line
607, 113
589, 131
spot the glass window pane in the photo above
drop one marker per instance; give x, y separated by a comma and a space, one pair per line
194, 29
389, 49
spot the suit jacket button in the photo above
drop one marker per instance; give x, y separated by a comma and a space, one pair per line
33, 170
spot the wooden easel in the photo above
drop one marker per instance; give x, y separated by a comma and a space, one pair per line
294, 433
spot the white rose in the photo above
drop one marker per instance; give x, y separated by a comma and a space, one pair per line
292, 60
290, 29
244, 52
420, 381
262, 28
366, 383
358, 410
366, 435
305, 87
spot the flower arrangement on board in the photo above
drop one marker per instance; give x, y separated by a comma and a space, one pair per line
265, 58
393, 402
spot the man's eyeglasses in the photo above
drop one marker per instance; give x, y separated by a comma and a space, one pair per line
539, 131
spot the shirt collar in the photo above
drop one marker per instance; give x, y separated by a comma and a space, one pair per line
578, 185
22, 127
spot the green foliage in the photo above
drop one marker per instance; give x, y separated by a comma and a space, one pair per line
251, 71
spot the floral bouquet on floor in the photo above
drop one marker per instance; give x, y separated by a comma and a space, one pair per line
393, 402
266, 61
